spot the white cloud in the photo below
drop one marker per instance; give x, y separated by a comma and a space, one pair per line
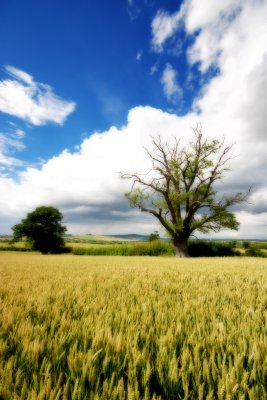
32, 101
153, 69
139, 56
10, 143
200, 14
164, 25
19, 133
235, 99
87, 183
132, 9
214, 29
171, 88
194, 15
20, 75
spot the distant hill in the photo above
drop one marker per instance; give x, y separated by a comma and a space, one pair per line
105, 239
130, 236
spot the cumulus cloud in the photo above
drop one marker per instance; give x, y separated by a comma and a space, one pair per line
194, 15
223, 23
171, 88
86, 184
201, 14
32, 101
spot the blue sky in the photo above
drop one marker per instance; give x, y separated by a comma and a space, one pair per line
71, 69
97, 54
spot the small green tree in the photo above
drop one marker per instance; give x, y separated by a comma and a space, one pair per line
179, 188
153, 236
42, 229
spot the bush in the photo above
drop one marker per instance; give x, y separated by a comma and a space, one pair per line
204, 248
254, 251
14, 248
60, 250
63, 250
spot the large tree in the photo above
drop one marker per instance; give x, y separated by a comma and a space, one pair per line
42, 229
179, 188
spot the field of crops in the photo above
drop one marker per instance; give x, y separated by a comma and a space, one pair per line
132, 328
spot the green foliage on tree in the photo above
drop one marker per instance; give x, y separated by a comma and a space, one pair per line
179, 189
42, 229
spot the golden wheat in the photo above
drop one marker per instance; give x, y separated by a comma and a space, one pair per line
132, 328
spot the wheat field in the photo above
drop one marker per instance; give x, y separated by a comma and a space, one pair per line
132, 328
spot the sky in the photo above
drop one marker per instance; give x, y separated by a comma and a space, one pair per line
86, 85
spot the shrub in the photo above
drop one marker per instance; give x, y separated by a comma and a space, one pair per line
254, 251
14, 248
204, 248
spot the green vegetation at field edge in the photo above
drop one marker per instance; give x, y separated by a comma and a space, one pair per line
197, 248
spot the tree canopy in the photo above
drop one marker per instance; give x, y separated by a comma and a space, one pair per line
179, 188
153, 236
42, 229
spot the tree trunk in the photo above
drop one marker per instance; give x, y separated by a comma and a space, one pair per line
181, 248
